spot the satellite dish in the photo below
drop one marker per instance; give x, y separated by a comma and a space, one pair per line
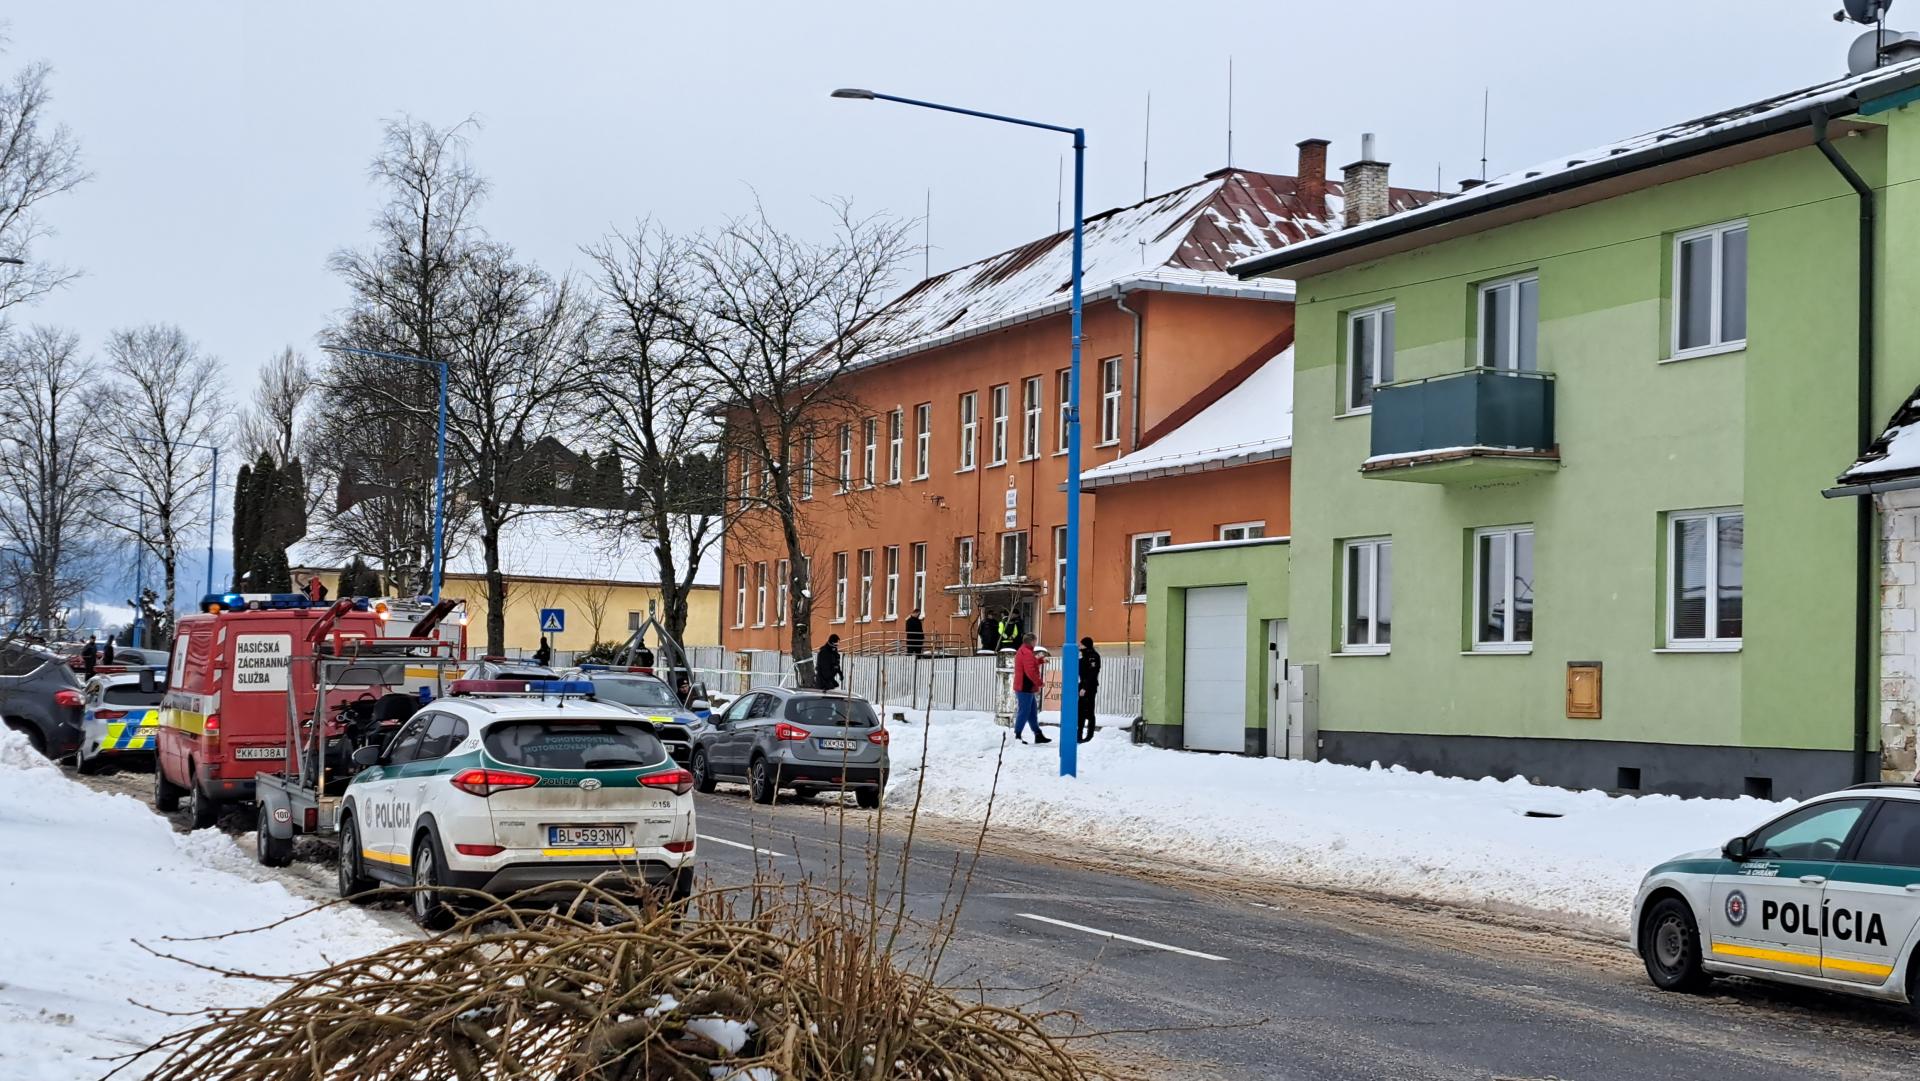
1865, 53
1865, 11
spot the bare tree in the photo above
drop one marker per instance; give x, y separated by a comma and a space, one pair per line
595, 599
272, 423
47, 499
38, 160
778, 320
651, 396
164, 403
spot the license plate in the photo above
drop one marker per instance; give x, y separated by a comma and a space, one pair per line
838, 745
586, 836
259, 752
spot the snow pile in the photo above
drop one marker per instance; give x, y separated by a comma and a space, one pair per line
1380, 830
1253, 420
84, 876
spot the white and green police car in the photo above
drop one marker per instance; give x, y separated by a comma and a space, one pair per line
507, 785
1826, 895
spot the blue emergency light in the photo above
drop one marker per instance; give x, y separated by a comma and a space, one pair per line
560, 686
238, 602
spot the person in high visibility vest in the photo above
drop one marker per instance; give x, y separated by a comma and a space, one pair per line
1009, 631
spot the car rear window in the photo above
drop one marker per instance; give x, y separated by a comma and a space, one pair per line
831, 712
560, 744
130, 695
635, 692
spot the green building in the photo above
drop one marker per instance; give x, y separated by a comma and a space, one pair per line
1560, 442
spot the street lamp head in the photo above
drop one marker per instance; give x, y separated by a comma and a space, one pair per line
11, 261
855, 94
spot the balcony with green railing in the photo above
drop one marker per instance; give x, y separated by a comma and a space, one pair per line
1464, 427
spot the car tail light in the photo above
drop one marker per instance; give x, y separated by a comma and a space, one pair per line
677, 781
479, 850
69, 699
790, 732
880, 737
679, 846
109, 714
485, 782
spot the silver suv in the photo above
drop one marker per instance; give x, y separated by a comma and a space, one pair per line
806, 740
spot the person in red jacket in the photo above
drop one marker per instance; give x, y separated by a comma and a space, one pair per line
1027, 681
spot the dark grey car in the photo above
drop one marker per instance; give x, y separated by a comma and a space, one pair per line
40, 697
805, 740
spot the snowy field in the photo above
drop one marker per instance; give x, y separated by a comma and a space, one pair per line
1385, 831
84, 876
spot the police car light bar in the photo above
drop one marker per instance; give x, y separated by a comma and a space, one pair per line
545, 688
253, 602
597, 666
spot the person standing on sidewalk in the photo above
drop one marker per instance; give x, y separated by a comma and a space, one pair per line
916, 634
826, 665
1027, 681
1089, 687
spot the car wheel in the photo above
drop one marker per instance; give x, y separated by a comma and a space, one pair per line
1670, 946
702, 774
272, 851
166, 795
429, 908
202, 810
760, 781
682, 885
82, 764
867, 797
354, 883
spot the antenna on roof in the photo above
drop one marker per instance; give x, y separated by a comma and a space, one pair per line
926, 242
1146, 146
1059, 190
1486, 105
1229, 111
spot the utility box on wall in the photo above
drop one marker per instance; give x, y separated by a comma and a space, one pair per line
1583, 690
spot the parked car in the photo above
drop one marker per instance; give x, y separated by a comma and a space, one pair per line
40, 697
507, 668
123, 657
805, 740
650, 697
119, 717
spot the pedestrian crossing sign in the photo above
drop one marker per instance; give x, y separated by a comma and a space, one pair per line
553, 620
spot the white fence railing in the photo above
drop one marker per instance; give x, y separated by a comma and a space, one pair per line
917, 682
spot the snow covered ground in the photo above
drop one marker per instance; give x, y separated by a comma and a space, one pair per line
1387, 831
83, 877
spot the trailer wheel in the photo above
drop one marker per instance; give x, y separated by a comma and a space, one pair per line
166, 794
273, 851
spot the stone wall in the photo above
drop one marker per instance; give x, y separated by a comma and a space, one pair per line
1899, 635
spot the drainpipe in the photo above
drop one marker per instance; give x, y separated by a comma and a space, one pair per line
1866, 589
1120, 301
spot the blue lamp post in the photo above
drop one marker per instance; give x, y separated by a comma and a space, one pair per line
1070, 587
440, 458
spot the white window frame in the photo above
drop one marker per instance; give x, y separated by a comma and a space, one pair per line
866, 585
806, 468
1024, 546
920, 576
1714, 344
1110, 391
1714, 642
869, 450
1508, 536
760, 593
896, 442
1372, 545
1381, 362
998, 399
890, 582
1032, 407
963, 555
1063, 380
739, 595
846, 460
746, 477
922, 440
839, 587
1510, 363
1243, 528
1137, 563
969, 430
783, 569
1059, 569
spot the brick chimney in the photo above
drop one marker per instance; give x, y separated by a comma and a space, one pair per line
1365, 186
1312, 176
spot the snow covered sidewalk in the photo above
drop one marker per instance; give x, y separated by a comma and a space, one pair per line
1512, 844
83, 876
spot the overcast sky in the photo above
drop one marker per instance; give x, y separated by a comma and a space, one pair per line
230, 142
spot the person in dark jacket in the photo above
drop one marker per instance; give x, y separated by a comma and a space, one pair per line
1089, 687
89, 656
826, 664
544, 655
106, 650
916, 634
989, 632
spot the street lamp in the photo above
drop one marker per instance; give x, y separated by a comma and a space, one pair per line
1070, 587
213, 492
440, 459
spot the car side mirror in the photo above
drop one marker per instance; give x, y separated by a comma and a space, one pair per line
1735, 850
701, 705
367, 757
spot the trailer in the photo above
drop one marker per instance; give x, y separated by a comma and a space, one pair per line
394, 676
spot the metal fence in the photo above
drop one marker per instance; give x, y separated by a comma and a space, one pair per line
916, 682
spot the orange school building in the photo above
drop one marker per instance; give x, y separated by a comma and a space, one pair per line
955, 468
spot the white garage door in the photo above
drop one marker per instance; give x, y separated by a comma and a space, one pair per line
1215, 710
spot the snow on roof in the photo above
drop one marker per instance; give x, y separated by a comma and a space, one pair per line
554, 543
1183, 240
1636, 151
1896, 454
1252, 422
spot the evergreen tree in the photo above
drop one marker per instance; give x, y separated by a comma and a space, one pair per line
246, 527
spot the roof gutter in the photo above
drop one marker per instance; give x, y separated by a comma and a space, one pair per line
1459, 208
1866, 590
1120, 301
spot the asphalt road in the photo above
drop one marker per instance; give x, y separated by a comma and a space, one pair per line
1212, 978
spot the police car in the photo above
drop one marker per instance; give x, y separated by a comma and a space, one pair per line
1826, 895
119, 716
508, 785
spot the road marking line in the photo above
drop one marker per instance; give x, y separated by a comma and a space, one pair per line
1120, 937
736, 844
